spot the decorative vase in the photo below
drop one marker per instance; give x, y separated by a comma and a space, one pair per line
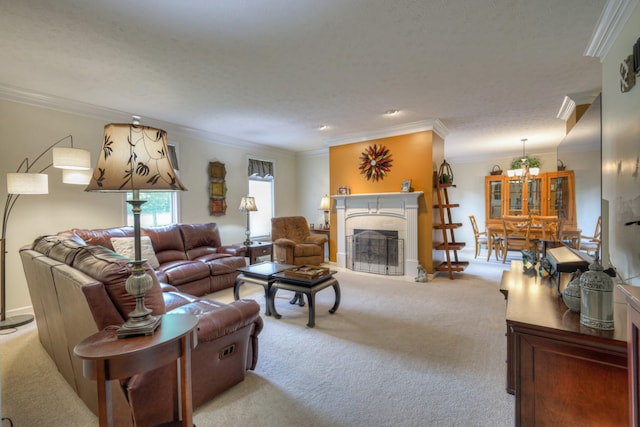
571, 294
596, 298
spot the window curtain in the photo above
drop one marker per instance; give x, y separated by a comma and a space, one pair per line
260, 168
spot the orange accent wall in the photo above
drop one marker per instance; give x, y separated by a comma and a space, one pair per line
412, 157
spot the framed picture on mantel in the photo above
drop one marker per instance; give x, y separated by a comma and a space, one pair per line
343, 191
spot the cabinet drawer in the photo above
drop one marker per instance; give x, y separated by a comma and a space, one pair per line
262, 250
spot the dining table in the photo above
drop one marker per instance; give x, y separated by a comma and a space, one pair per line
495, 231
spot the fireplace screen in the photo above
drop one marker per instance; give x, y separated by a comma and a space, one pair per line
375, 251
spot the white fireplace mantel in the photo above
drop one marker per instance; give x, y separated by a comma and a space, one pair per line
375, 207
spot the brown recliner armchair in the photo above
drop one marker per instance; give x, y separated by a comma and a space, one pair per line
293, 242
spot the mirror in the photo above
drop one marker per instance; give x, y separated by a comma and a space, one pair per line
581, 151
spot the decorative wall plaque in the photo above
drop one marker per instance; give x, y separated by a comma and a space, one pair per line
217, 189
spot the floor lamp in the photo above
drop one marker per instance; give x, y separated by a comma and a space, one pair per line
135, 158
248, 205
25, 181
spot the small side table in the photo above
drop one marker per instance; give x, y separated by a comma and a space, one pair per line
258, 249
106, 358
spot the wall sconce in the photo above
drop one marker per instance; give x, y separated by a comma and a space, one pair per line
24, 181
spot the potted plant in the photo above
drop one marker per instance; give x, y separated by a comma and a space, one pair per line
534, 162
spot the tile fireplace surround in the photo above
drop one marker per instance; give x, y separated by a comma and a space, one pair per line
380, 211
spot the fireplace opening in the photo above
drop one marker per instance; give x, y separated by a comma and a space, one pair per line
375, 251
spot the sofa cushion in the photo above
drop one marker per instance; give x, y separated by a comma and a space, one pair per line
113, 270
125, 247
103, 236
307, 249
200, 235
184, 271
167, 242
58, 248
225, 265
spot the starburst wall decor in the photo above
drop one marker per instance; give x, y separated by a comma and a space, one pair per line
375, 162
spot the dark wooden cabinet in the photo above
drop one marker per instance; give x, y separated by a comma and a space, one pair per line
562, 373
632, 294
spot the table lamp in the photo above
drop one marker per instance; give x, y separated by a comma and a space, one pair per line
134, 158
247, 204
325, 205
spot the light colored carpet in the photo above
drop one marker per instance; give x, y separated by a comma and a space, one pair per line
396, 353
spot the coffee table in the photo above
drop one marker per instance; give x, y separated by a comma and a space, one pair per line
259, 274
306, 287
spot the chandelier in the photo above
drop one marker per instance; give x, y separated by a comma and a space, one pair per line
525, 170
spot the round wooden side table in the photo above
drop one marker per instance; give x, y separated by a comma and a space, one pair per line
106, 358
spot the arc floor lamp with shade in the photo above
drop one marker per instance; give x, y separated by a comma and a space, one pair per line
135, 158
75, 164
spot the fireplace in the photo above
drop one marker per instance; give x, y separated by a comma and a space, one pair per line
375, 251
382, 213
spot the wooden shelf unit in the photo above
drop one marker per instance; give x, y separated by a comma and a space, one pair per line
449, 244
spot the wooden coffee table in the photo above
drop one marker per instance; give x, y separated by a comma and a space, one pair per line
259, 274
306, 287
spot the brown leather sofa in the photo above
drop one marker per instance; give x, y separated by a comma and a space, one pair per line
78, 289
293, 242
191, 256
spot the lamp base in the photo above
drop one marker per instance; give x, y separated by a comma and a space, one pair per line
135, 327
15, 321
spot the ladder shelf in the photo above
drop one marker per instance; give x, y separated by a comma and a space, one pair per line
449, 244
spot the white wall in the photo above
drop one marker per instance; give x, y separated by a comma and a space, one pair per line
25, 131
621, 156
313, 179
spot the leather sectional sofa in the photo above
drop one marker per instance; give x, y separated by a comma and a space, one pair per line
77, 289
191, 257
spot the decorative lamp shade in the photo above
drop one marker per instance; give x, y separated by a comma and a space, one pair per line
325, 203
75, 176
134, 157
248, 204
534, 171
71, 158
27, 183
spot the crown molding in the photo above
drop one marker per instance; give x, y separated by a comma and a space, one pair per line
566, 109
24, 96
614, 15
573, 99
434, 125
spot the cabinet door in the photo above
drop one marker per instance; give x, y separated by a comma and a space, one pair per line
495, 198
561, 197
515, 204
534, 196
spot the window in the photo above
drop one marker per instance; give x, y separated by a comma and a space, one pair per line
159, 209
261, 188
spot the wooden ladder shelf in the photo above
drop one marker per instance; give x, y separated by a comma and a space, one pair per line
449, 244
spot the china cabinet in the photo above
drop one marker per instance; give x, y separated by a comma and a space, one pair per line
549, 193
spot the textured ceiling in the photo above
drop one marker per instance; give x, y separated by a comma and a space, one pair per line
272, 71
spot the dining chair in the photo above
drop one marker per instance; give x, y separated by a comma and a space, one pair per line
515, 234
480, 236
591, 244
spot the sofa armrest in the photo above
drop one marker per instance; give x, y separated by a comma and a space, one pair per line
285, 242
235, 250
316, 239
217, 319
